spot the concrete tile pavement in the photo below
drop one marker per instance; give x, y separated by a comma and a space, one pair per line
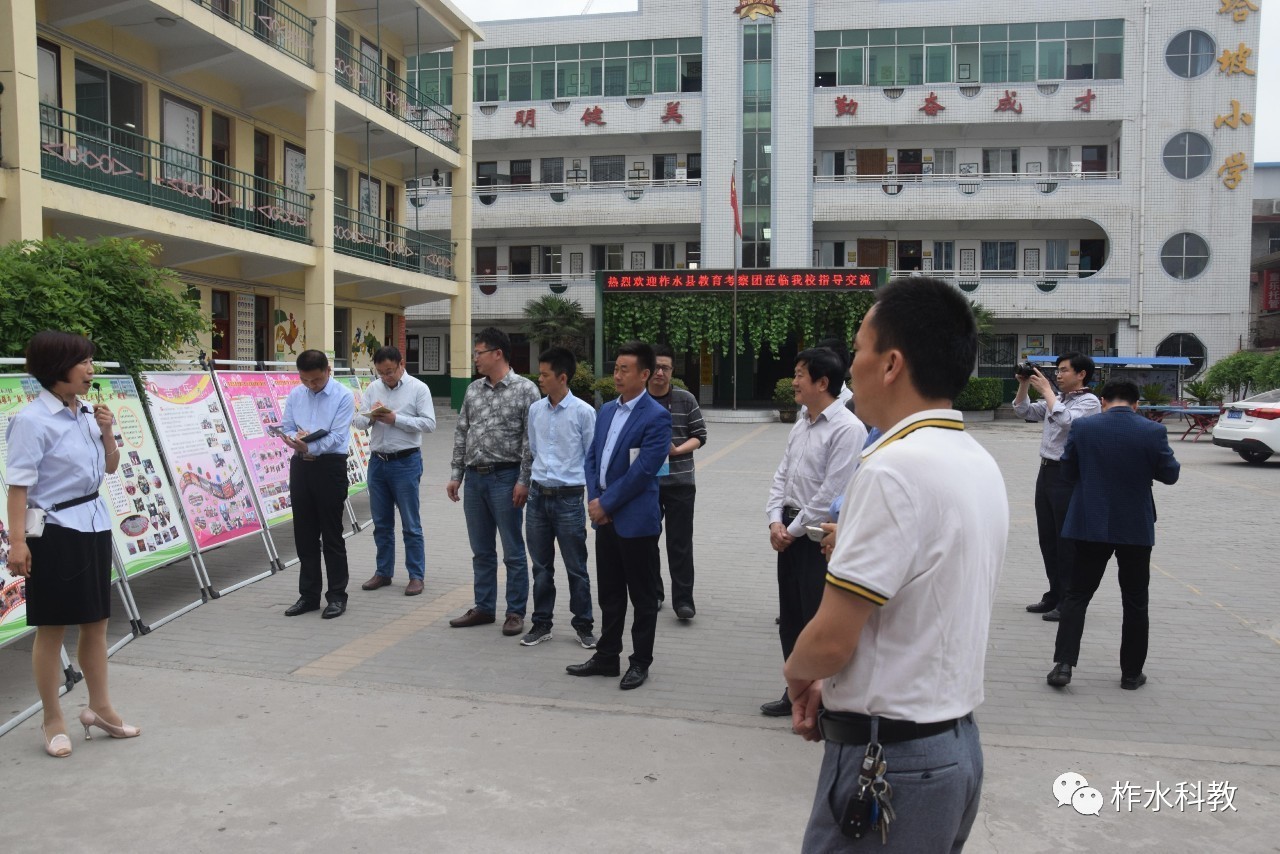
406, 713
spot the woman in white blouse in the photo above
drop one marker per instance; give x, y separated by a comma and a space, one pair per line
59, 451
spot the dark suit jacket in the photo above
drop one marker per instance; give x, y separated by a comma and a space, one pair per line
631, 498
1113, 458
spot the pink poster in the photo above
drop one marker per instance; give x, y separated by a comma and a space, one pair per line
255, 401
194, 431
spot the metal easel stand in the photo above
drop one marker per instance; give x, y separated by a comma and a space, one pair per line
73, 676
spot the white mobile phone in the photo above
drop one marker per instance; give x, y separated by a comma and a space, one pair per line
815, 532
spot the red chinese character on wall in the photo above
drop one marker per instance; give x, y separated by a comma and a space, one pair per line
672, 114
1084, 103
593, 116
527, 118
1271, 290
931, 106
1009, 103
846, 106
865, 280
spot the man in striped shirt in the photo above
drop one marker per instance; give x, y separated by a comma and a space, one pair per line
676, 489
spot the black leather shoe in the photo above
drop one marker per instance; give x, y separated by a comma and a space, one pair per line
302, 606
1133, 681
1060, 675
593, 666
685, 612
634, 677
1052, 616
1045, 604
776, 708
333, 609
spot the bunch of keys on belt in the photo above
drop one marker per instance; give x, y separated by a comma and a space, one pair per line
871, 807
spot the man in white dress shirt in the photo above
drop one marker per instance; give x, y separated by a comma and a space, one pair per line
399, 410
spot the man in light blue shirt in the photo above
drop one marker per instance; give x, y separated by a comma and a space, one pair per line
320, 411
561, 427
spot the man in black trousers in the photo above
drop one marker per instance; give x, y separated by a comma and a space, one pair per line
317, 426
1112, 460
632, 436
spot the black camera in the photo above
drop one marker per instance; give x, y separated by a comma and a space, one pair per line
1025, 370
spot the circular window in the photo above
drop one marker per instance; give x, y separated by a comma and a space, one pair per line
1187, 155
1184, 344
1190, 54
1185, 255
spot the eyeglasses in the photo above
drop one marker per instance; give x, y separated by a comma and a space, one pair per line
663, 369
476, 354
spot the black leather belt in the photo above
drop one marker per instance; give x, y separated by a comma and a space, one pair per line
396, 455
558, 490
490, 468
74, 502
853, 728
789, 515
1046, 462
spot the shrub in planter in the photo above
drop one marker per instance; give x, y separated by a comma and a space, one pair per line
982, 394
583, 383
1153, 393
1205, 392
607, 390
784, 397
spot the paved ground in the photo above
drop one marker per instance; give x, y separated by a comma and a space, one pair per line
386, 730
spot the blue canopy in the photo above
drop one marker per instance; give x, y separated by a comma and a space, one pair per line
1141, 361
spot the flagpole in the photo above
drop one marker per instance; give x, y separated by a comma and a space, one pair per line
733, 352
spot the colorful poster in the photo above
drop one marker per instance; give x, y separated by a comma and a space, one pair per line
144, 526
255, 401
358, 460
16, 391
13, 590
196, 436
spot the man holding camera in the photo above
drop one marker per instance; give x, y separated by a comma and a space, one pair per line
1058, 409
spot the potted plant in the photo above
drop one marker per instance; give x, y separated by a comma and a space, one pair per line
1204, 392
784, 396
980, 397
1153, 394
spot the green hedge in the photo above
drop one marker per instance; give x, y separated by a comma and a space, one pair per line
981, 394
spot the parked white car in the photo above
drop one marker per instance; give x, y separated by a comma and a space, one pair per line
1251, 427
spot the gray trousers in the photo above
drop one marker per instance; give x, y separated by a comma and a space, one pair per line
937, 782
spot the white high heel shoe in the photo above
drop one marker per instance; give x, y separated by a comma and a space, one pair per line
89, 718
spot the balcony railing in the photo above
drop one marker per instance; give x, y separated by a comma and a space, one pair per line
365, 236
275, 22
487, 194
87, 153
364, 75
967, 182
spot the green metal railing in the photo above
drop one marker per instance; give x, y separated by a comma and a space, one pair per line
87, 153
275, 22
364, 75
365, 236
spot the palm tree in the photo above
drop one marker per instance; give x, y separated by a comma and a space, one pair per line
985, 320
554, 321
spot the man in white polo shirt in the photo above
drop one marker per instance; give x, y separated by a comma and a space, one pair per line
891, 665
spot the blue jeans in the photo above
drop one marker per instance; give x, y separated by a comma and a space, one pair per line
393, 486
486, 502
550, 519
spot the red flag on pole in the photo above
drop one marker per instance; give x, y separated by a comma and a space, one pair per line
733, 202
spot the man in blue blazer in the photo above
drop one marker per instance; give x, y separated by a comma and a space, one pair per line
1112, 459
632, 437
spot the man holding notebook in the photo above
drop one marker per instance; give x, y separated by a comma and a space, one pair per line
398, 410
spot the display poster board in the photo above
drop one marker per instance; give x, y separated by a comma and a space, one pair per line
358, 458
13, 590
145, 527
207, 474
16, 391
255, 400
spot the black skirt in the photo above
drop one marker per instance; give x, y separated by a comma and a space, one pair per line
70, 581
